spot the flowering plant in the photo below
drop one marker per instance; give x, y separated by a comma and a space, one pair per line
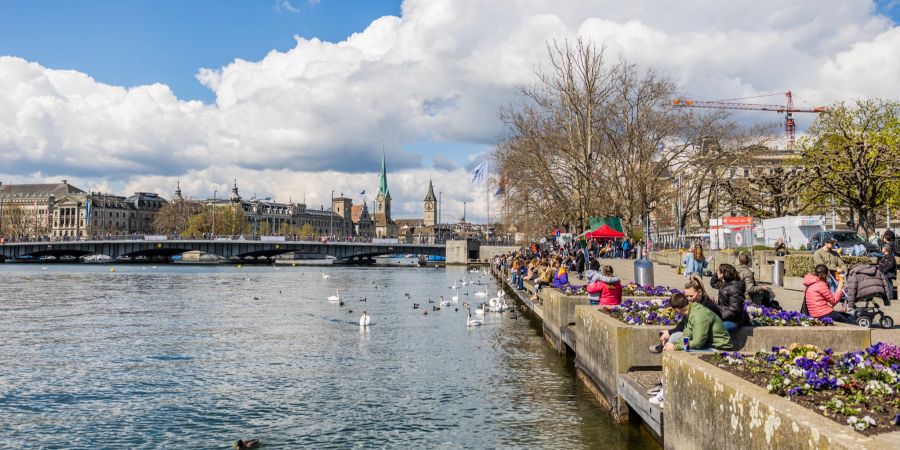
634, 312
570, 289
762, 316
634, 290
858, 388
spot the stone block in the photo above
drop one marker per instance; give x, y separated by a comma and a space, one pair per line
707, 407
558, 311
608, 347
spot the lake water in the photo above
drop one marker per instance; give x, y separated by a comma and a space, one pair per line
198, 357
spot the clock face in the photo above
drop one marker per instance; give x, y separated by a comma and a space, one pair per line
428, 206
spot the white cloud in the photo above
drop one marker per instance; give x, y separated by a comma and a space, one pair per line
314, 117
285, 5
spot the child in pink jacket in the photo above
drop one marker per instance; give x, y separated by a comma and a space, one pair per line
819, 299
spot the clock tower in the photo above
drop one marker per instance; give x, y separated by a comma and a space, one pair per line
430, 207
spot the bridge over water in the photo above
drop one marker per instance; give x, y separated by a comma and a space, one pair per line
226, 248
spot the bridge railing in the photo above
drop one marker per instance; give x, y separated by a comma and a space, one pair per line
205, 237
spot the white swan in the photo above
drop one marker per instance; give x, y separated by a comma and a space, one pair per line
454, 287
465, 282
455, 298
43, 267
470, 322
479, 311
482, 293
500, 293
364, 319
325, 276
444, 302
336, 297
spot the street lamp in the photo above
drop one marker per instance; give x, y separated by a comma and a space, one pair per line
214, 212
331, 218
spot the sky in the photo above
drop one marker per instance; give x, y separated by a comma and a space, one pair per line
296, 98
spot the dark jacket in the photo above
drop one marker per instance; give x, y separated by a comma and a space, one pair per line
731, 300
864, 281
705, 301
888, 264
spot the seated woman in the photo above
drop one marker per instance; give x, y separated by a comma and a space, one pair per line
819, 300
562, 277
695, 292
704, 330
610, 288
731, 297
545, 279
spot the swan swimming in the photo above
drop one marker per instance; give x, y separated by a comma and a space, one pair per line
455, 298
444, 303
482, 293
336, 297
470, 322
325, 276
364, 319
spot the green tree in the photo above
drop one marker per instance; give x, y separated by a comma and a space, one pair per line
264, 229
852, 155
220, 220
308, 230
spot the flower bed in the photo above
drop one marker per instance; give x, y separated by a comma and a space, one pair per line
858, 388
569, 289
658, 312
635, 290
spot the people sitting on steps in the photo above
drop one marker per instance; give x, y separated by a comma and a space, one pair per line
695, 292
758, 294
703, 330
731, 297
544, 279
603, 287
818, 299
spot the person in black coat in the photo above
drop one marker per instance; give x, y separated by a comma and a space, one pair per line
731, 297
888, 267
579, 264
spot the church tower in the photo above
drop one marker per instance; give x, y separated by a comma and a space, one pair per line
384, 226
430, 207
383, 200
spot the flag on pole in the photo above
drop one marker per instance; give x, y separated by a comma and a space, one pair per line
479, 173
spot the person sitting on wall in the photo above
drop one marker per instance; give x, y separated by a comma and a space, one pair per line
759, 295
780, 249
704, 330
731, 297
818, 300
562, 277
695, 292
609, 289
546, 278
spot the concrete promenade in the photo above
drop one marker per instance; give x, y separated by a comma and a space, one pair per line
665, 275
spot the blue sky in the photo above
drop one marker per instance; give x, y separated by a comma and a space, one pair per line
137, 42
297, 119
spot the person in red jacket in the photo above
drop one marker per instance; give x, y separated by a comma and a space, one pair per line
609, 288
818, 297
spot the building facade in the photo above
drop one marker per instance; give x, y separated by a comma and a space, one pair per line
61, 210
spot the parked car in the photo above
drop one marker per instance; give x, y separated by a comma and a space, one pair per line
845, 241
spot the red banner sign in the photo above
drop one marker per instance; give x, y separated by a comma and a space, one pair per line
739, 220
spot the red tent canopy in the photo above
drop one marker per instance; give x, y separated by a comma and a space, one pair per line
604, 232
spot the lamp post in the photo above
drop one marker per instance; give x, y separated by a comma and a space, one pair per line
331, 218
214, 212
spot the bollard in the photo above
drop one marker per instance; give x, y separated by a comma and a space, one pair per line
643, 272
778, 273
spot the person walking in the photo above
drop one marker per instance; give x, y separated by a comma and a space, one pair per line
694, 262
888, 265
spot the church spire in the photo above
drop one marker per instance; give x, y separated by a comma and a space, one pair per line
430, 196
383, 186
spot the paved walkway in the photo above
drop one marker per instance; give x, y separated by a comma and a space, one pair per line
665, 276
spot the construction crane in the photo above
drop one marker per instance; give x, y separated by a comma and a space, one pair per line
788, 110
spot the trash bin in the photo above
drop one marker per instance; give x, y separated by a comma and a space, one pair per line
643, 272
778, 273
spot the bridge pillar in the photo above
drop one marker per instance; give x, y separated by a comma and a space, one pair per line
461, 252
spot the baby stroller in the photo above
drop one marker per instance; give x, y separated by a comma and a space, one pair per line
863, 289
